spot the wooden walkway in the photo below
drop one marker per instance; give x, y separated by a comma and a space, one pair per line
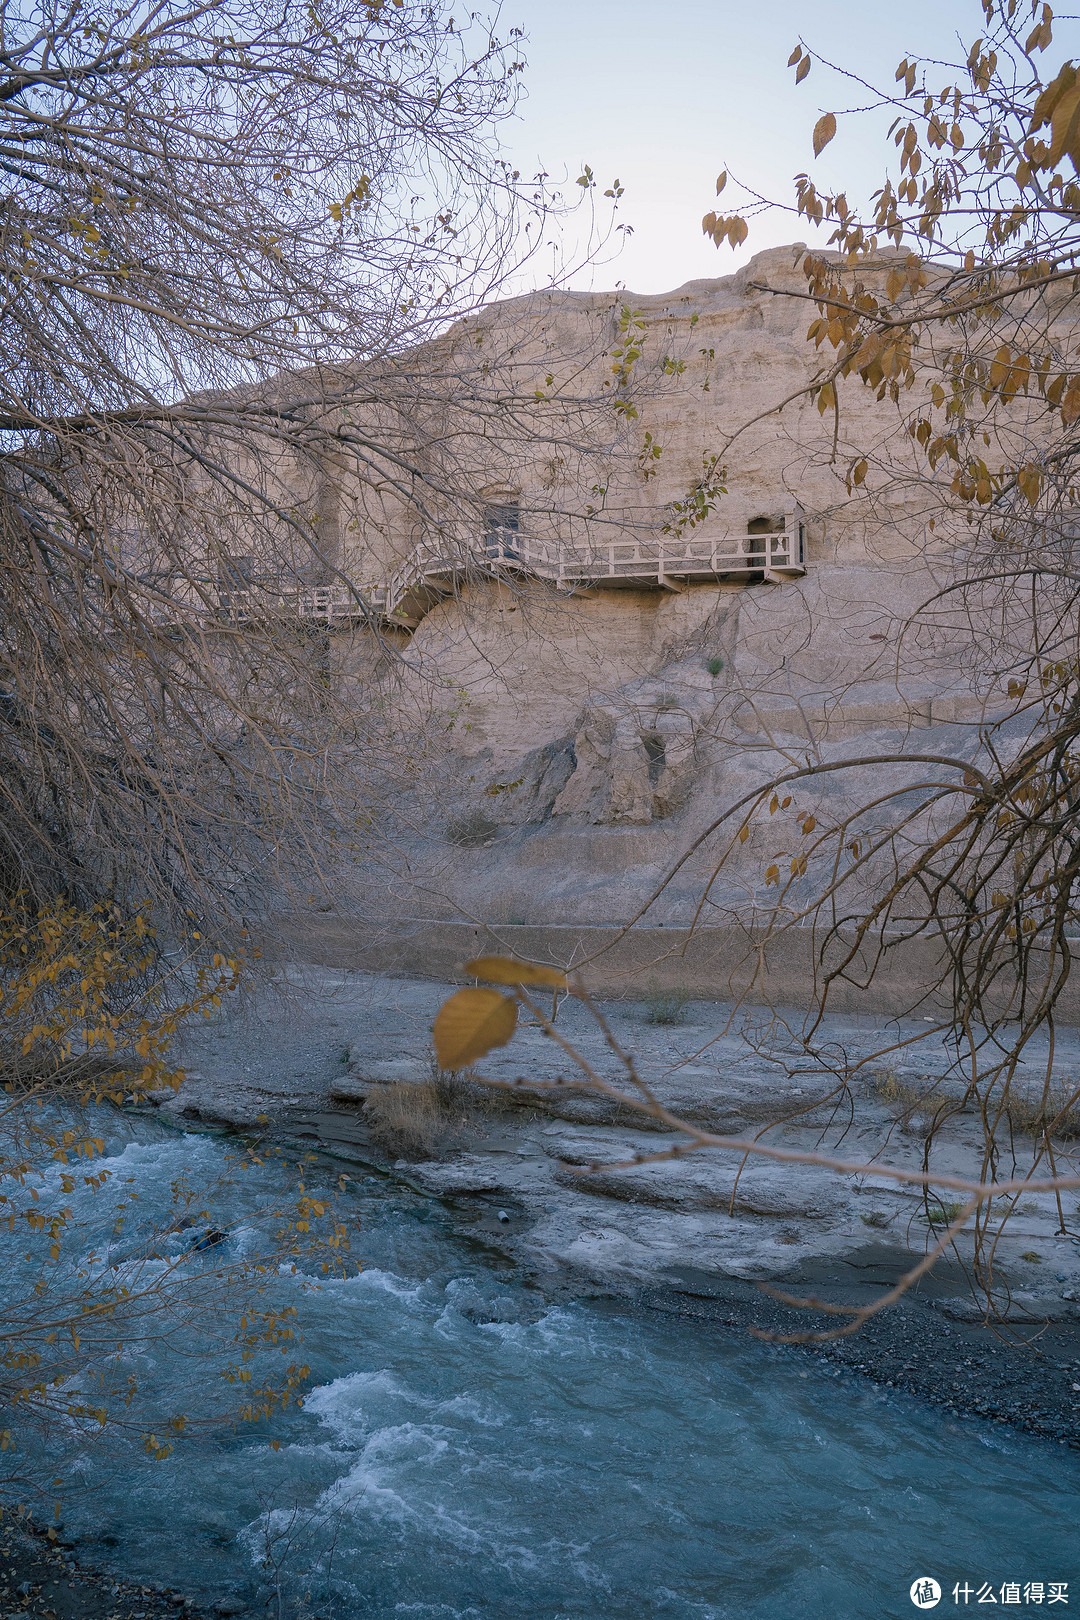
430, 574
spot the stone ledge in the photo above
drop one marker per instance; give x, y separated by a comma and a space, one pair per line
849, 719
718, 964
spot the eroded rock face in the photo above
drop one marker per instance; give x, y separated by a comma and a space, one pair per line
581, 735
611, 782
696, 1183
545, 772
634, 764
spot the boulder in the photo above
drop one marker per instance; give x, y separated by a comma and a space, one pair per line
366, 1069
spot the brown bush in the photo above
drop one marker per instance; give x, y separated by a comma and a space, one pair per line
416, 1121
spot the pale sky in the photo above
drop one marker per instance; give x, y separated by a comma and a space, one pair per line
664, 96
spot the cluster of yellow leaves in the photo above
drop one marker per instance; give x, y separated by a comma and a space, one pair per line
939, 127
1058, 673
733, 229
72, 982
358, 197
700, 500
650, 453
76, 980
800, 60
806, 823
958, 153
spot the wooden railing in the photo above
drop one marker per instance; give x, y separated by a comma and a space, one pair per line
432, 572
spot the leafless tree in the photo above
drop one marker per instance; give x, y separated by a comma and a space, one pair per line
968, 849
225, 229
953, 301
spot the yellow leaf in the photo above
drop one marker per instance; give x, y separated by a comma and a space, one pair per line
721, 182
772, 875
471, 1023
1030, 481
824, 130
808, 825
504, 970
859, 471
802, 70
798, 865
1000, 366
1065, 126
744, 833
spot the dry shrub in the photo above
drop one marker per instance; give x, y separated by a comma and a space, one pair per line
1029, 1112
472, 831
907, 1101
1057, 1111
666, 1008
416, 1121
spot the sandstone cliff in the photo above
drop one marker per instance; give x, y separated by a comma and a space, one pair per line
580, 731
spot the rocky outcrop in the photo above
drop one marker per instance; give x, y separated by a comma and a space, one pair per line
580, 732
635, 760
531, 797
611, 779
575, 1173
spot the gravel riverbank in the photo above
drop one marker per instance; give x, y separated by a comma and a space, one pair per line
40, 1580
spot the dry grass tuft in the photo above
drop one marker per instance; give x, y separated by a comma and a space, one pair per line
416, 1121
893, 1090
1029, 1113
1059, 1112
670, 1008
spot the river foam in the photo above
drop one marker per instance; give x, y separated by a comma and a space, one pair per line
469, 1449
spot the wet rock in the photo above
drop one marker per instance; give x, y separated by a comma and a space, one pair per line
349, 1088
237, 1112
526, 1142
694, 1183
1021, 1308
468, 1175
